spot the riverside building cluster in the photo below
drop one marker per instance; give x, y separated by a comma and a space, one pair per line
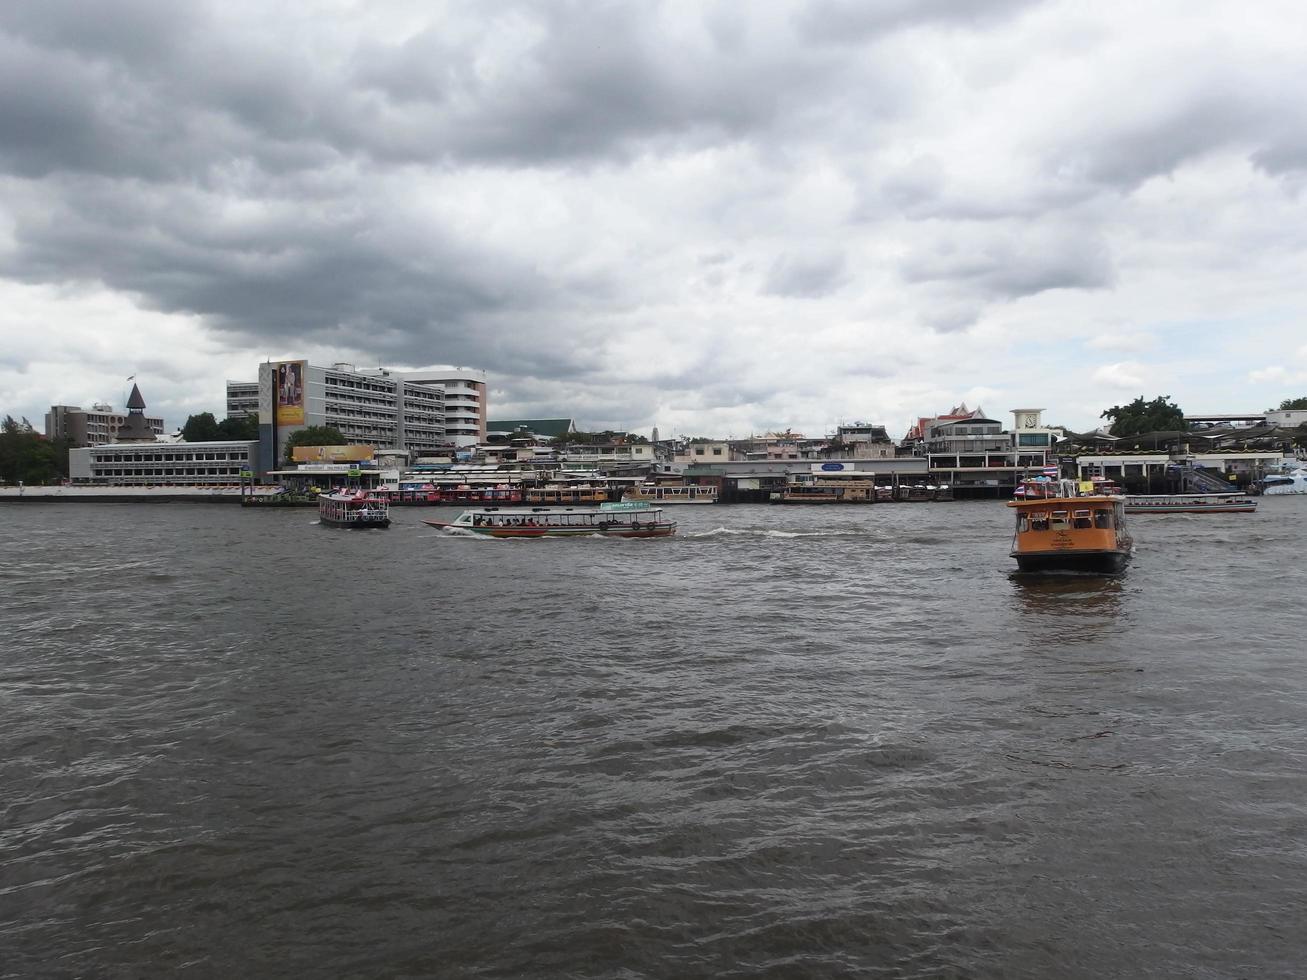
416, 425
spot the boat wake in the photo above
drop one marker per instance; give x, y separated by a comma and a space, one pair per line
772, 533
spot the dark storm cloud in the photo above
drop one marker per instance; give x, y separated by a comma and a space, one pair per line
292, 274
595, 80
176, 94
520, 185
138, 127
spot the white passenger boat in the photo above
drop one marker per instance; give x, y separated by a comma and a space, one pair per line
1289, 478
672, 493
353, 509
634, 519
1189, 503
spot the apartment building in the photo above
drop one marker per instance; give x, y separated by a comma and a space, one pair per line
95, 427
242, 399
465, 403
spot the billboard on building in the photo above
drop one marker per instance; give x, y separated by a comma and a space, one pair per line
290, 392
331, 454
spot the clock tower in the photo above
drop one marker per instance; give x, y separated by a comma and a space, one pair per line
1028, 418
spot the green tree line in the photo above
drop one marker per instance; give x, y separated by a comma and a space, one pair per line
205, 428
26, 456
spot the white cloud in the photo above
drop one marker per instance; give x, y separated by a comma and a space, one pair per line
1124, 375
1124, 341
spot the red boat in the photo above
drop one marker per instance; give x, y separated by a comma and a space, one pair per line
433, 496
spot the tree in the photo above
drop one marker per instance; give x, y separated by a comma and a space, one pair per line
1293, 405
605, 437
239, 427
315, 435
201, 428
1159, 415
27, 456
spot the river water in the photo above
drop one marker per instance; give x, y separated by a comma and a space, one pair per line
789, 742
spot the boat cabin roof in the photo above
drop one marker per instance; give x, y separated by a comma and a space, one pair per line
1044, 503
608, 508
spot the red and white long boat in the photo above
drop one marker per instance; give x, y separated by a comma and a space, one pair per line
611, 520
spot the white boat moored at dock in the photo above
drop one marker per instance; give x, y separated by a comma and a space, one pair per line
1189, 503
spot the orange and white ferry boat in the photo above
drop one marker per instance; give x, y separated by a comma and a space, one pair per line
1063, 525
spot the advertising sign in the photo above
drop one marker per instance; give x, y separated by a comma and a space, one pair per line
832, 467
290, 392
331, 454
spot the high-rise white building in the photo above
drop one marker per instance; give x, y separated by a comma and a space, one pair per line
465, 402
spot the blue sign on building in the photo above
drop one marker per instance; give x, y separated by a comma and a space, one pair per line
832, 466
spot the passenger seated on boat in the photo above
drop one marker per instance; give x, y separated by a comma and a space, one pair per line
1103, 519
1039, 521
1081, 520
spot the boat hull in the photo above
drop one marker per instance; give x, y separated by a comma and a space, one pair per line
371, 522
1087, 562
663, 531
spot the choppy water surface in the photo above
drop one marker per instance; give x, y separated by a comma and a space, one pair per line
791, 742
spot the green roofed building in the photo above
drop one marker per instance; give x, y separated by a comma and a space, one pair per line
546, 428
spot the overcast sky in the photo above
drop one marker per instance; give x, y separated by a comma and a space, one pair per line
716, 218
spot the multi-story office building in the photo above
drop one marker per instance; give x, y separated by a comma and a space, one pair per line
378, 408
94, 428
242, 399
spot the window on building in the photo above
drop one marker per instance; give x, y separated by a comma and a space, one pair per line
716, 452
